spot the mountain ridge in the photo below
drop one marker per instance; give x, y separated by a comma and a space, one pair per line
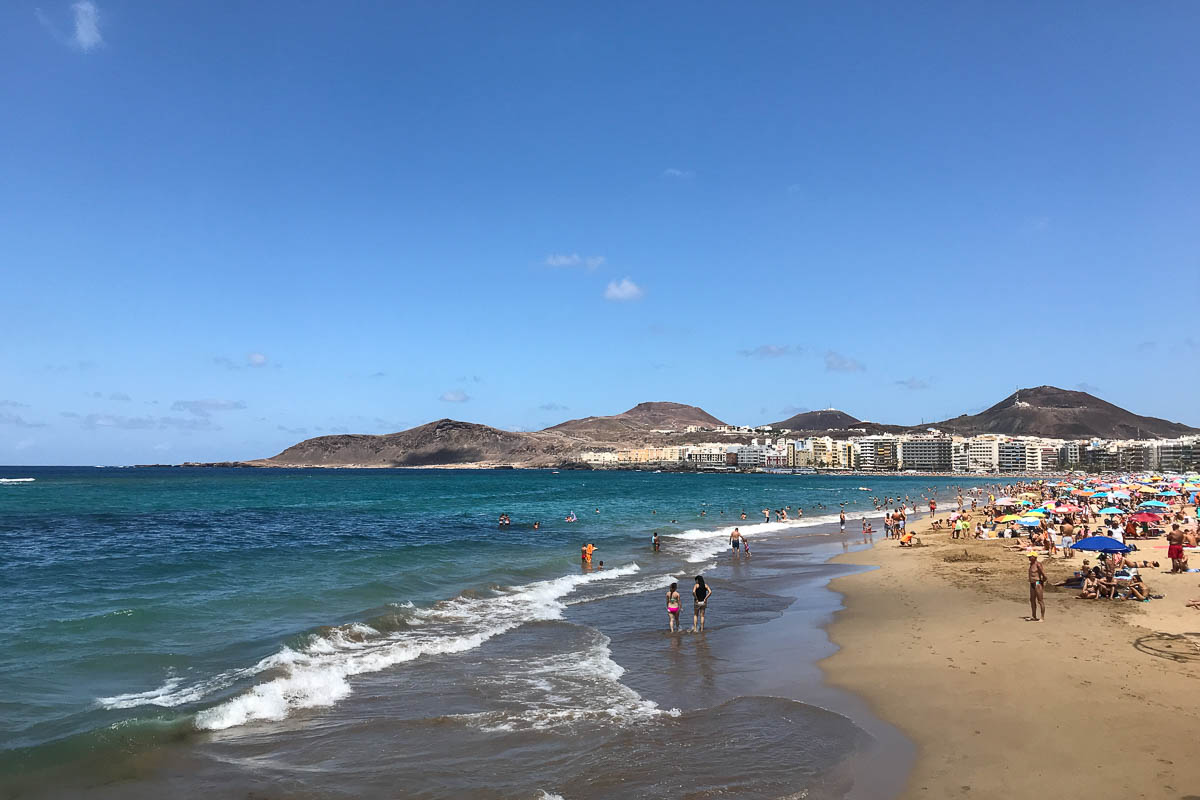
1039, 411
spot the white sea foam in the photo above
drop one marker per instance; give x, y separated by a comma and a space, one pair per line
17, 480
560, 691
317, 674
710, 542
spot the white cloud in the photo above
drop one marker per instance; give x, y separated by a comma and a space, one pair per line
256, 360
204, 408
836, 362
623, 290
454, 396
771, 351
672, 172
573, 260
87, 26
19, 421
913, 384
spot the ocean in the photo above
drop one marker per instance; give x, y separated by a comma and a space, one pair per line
375, 633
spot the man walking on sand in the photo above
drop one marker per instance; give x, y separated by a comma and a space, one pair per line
1037, 592
1175, 549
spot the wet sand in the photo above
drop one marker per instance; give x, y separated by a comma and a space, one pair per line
1097, 701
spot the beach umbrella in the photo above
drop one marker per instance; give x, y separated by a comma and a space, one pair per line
1100, 544
1168, 493
1119, 495
1009, 518
1145, 516
1029, 522
1068, 509
1036, 512
1111, 510
1026, 503
1154, 503
1006, 501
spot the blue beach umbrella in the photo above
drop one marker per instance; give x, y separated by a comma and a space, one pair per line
1121, 495
1100, 494
1111, 510
1168, 494
1029, 522
1100, 544
1156, 503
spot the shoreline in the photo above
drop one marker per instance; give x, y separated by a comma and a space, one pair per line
1001, 707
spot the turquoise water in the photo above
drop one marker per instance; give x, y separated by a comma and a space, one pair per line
213, 599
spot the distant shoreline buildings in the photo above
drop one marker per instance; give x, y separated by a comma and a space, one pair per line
932, 451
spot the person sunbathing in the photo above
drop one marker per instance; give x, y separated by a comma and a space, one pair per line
1136, 589
1090, 590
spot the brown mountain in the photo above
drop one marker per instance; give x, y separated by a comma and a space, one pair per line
445, 442
637, 421
1062, 414
826, 419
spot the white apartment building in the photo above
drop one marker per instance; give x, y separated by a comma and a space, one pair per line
930, 453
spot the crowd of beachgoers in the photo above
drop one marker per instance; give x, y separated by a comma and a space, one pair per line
1120, 520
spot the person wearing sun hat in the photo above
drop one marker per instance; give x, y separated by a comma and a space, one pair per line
1037, 591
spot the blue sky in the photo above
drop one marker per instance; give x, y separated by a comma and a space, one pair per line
226, 228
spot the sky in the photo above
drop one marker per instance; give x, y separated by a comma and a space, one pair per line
228, 227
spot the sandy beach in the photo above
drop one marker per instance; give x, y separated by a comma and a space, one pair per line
1096, 701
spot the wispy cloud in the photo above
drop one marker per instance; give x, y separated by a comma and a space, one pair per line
12, 404
120, 397
379, 374
1036, 224
675, 172
18, 421
292, 431
1147, 346
253, 361
454, 396
836, 362
87, 26
623, 290
204, 408
771, 351
913, 384
1090, 388
573, 260
118, 422
553, 407
85, 34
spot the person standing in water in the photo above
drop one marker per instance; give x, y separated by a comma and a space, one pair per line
735, 541
700, 593
674, 602
656, 541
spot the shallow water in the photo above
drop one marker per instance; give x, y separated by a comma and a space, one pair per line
374, 633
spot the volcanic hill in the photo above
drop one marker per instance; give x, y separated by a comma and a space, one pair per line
1062, 414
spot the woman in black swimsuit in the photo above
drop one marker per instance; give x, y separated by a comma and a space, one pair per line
700, 593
